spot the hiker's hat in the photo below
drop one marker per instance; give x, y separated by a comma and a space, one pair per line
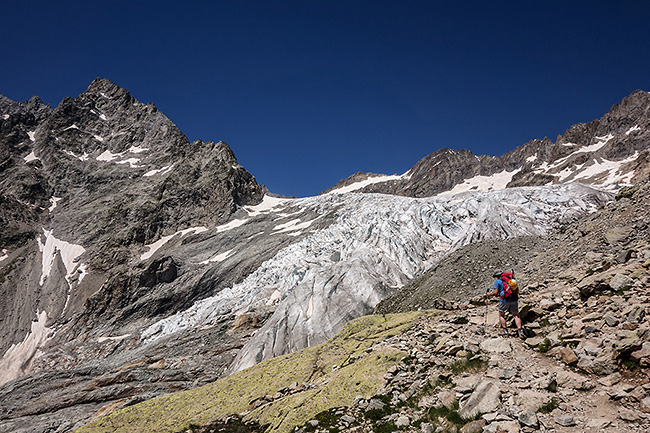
497, 273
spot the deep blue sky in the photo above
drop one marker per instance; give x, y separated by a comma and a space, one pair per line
308, 92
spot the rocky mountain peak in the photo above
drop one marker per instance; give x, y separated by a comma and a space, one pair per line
85, 186
106, 87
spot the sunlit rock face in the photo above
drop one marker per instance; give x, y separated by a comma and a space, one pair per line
134, 262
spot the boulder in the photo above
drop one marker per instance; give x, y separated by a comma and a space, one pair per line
621, 282
530, 400
628, 342
617, 234
642, 354
611, 380
473, 426
644, 405
402, 421
375, 404
564, 354
569, 379
598, 423
496, 345
447, 398
592, 284
503, 427
603, 364
635, 314
529, 419
485, 398
611, 320
549, 304
628, 415
623, 256
589, 346
564, 419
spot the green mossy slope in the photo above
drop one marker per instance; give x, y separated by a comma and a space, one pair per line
335, 373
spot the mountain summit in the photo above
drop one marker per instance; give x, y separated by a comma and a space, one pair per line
135, 263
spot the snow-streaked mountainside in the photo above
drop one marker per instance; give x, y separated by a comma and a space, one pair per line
610, 152
134, 262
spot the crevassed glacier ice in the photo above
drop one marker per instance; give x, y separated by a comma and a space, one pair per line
377, 242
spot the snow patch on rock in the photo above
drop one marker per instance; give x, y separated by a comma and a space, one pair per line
83, 157
137, 149
612, 169
362, 184
133, 162
54, 201
18, 359
230, 225
118, 338
484, 183
162, 241
268, 204
31, 157
163, 170
218, 258
53, 247
108, 156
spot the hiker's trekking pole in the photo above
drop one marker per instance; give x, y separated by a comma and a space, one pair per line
487, 300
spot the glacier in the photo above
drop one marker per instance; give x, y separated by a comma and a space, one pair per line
376, 244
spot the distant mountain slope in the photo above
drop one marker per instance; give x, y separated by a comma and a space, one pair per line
612, 150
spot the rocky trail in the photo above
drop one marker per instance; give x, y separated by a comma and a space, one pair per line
460, 376
581, 372
583, 368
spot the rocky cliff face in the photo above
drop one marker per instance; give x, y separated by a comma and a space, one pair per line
136, 263
85, 187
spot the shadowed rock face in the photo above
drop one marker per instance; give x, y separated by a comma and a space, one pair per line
135, 263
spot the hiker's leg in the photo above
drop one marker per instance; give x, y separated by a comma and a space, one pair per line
517, 320
513, 308
502, 319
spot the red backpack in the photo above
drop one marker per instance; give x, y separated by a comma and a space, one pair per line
510, 288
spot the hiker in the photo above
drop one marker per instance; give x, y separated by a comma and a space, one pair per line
507, 302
